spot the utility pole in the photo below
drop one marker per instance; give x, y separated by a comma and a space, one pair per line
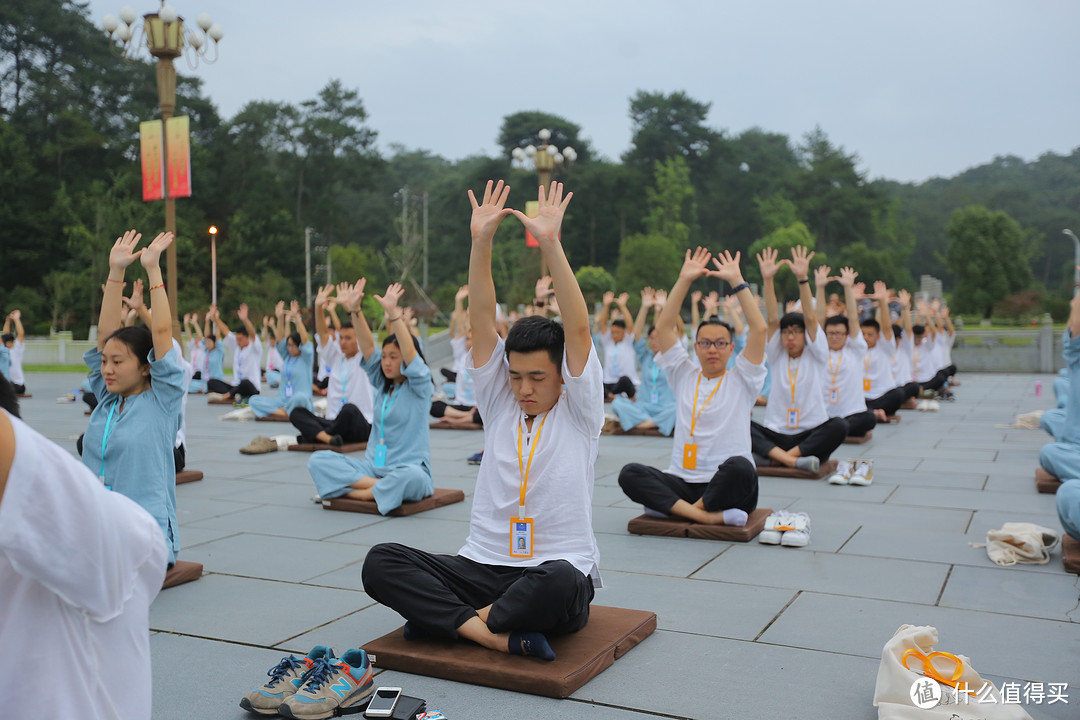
307, 265
425, 241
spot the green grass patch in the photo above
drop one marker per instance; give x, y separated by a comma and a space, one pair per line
55, 368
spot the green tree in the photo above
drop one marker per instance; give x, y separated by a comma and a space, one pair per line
986, 257
594, 282
667, 125
672, 211
647, 259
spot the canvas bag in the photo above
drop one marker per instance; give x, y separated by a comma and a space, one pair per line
892, 693
1023, 543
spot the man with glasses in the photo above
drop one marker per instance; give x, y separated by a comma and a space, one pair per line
797, 432
711, 478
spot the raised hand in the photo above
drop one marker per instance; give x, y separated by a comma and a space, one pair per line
351, 295
608, 299
543, 288
408, 314
622, 299
294, 308
322, 295
151, 254
848, 276
881, 291
695, 297
463, 292
242, 312
768, 263
905, 299
711, 303
661, 298
800, 261
487, 215
859, 290
136, 300
15, 314
279, 309
389, 299
821, 275
123, 251
695, 265
727, 268
545, 226
648, 297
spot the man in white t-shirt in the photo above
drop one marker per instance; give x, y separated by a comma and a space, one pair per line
620, 360
844, 378
530, 562
797, 432
247, 358
882, 395
349, 397
79, 567
16, 347
711, 477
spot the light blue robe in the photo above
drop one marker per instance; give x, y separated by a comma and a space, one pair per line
1062, 458
295, 378
406, 474
212, 369
5, 361
139, 453
654, 384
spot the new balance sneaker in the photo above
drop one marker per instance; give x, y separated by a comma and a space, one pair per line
864, 473
842, 476
799, 535
285, 678
332, 687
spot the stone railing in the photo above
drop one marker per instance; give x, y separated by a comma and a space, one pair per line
1034, 350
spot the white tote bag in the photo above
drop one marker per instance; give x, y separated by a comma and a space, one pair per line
916, 683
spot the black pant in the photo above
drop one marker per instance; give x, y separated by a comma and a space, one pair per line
439, 593
819, 442
623, 385
860, 423
438, 409
244, 389
19, 389
889, 402
935, 383
350, 424
734, 485
911, 390
90, 399
449, 375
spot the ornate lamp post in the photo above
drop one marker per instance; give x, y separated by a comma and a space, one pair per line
213, 263
546, 160
166, 39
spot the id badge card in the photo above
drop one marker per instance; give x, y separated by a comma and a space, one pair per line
288, 390
834, 396
866, 384
380, 455
689, 456
654, 397
793, 418
521, 537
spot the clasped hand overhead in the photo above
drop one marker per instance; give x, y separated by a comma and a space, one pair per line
487, 215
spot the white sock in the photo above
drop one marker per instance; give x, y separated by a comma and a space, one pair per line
735, 517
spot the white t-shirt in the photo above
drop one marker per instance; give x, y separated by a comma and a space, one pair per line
901, 361
197, 351
842, 381
561, 479
17, 349
943, 343
722, 429
247, 362
274, 360
924, 360
877, 368
807, 371
464, 386
189, 372
79, 567
619, 358
348, 382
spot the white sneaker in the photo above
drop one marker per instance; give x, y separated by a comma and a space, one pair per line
864, 473
216, 396
771, 535
842, 476
920, 405
933, 405
799, 536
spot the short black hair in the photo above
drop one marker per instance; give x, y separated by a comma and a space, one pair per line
295, 337
918, 329
346, 326
242, 330
897, 331
535, 332
871, 323
7, 337
8, 399
138, 339
716, 321
837, 320
620, 323
793, 319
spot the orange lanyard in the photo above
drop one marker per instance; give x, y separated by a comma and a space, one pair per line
695, 413
525, 468
792, 379
866, 364
835, 371
932, 672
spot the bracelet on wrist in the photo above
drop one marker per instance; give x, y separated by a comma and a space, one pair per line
390, 319
740, 287
804, 281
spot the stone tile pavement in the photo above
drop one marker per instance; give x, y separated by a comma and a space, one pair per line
745, 630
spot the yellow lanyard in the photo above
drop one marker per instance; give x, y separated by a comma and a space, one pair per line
695, 413
835, 371
522, 467
792, 379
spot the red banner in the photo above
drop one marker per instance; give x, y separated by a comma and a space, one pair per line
153, 170
179, 160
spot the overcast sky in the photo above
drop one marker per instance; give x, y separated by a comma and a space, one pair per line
917, 88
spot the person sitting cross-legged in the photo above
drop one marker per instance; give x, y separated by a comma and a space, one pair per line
620, 372
654, 407
529, 565
879, 386
1062, 458
711, 478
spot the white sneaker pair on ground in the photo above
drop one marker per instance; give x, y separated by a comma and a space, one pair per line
790, 529
853, 471
928, 405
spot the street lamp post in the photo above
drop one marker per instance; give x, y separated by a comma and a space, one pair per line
1076, 268
213, 264
166, 39
546, 160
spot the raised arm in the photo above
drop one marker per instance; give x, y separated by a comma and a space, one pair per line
821, 279
541, 303
711, 303
458, 319
321, 298
800, 265
648, 297
222, 326
136, 302
728, 270
602, 314
695, 308
486, 217
123, 253
905, 311
196, 330
946, 320
395, 321
160, 310
694, 266
211, 315
847, 280
351, 297
881, 296
734, 308
621, 303
242, 313
769, 266
298, 323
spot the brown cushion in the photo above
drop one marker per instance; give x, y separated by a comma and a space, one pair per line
647, 432
827, 468
222, 401
441, 496
678, 527
25, 395
609, 634
857, 440
87, 412
182, 572
443, 425
186, 476
908, 404
273, 418
315, 447
1070, 554
1045, 482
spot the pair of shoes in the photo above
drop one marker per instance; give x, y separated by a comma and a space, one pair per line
259, 446
786, 528
475, 458
854, 471
315, 687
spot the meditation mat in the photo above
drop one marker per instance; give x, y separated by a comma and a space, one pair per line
315, 447
645, 432
182, 572
1045, 482
1070, 553
222, 401
186, 476
25, 395
859, 439
679, 527
273, 418
441, 497
88, 412
443, 425
579, 657
908, 404
827, 468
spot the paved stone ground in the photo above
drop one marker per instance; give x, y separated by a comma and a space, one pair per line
745, 630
